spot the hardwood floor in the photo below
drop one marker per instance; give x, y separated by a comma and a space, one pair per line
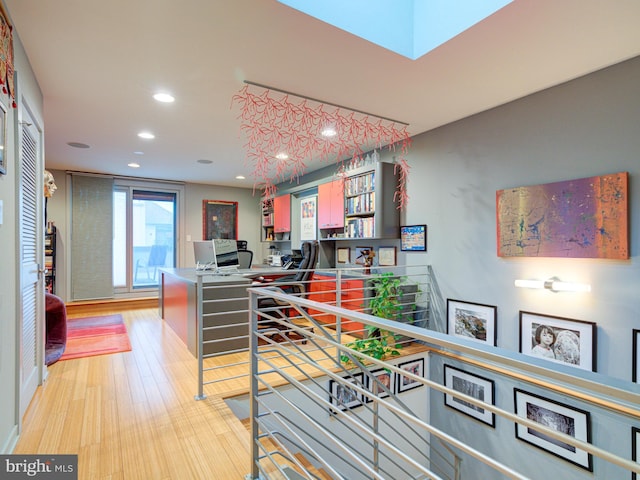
133, 415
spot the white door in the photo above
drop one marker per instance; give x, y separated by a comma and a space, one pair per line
31, 233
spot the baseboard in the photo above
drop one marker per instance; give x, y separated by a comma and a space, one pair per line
110, 305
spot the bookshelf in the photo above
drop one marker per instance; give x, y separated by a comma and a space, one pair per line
50, 259
370, 211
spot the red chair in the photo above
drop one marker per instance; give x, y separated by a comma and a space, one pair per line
56, 329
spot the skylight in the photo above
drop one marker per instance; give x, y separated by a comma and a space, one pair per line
408, 27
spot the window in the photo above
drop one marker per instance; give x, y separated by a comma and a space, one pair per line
144, 235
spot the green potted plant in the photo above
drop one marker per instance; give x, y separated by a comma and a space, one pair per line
385, 303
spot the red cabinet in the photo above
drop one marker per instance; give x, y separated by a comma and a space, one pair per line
282, 214
331, 204
323, 289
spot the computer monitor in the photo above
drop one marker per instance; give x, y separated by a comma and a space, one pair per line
226, 254
203, 254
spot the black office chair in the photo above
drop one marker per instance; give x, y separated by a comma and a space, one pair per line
298, 284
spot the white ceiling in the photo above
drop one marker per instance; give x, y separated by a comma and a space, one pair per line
98, 63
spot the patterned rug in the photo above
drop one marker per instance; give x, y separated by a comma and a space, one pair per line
91, 336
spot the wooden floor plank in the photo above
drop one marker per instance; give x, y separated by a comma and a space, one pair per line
133, 415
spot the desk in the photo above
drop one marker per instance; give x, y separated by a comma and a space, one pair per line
179, 306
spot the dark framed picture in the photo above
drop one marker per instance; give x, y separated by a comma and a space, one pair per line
387, 256
473, 321
635, 448
219, 219
556, 416
635, 362
415, 367
558, 339
342, 396
471, 385
3, 139
380, 379
413, 238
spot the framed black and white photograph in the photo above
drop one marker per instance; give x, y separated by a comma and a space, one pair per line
556, 416
344, 397
635, 361
471, 385
344, 255
473, 321
381, 378
558, 339
403, 382
635, 448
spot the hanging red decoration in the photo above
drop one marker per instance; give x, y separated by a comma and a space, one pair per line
284, 134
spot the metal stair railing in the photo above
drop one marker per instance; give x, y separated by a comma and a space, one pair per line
373, 438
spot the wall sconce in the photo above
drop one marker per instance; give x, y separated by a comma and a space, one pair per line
554, 285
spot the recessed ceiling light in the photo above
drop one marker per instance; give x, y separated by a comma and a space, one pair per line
282, 156
205, 161
78, 145
328, 132
146, 135
164, 97
133, 165
240, 177
138, 153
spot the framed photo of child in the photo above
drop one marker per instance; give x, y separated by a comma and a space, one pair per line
557, 339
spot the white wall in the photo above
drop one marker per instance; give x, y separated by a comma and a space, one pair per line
583, 128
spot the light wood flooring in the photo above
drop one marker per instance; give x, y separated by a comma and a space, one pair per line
133, 415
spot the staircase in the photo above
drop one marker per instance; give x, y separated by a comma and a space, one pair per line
290, 468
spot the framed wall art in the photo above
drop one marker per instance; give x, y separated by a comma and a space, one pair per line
582, 218
403, 382
556, 416
344, 254
387, 256
3, 139
308, 218
471, 385
413, 238
219, 219
635, 361
384, 377
473, 321
558, 339
635, 448
342, 396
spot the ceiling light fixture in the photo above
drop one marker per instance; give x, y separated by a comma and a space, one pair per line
133, 165
328, 132
146, 135
78, 145
282, 156
138, 153
554, 285
240, 177
164, 97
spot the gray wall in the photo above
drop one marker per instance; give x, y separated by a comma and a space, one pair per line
579, 129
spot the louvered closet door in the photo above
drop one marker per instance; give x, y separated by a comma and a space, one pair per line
31, 232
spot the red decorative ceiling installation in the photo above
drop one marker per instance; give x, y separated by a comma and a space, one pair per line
284, 133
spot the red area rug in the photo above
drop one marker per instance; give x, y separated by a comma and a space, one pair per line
91, 336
